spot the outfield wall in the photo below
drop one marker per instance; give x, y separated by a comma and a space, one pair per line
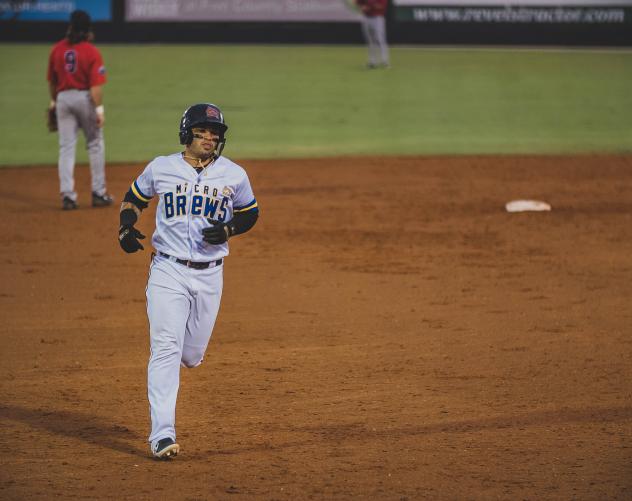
446, 22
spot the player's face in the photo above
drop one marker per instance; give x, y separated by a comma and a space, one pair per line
205, 141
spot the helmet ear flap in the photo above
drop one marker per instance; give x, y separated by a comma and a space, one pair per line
186, 136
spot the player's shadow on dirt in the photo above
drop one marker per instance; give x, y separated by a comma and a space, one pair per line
77, 425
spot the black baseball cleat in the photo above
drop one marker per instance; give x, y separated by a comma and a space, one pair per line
104, 200
166, 449
68, 204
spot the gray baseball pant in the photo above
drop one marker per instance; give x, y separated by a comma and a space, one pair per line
75, 110
374, 29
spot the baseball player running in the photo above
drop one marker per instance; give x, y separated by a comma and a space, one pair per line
203, 200
75, 77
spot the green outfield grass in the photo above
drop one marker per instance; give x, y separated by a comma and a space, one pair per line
320, 101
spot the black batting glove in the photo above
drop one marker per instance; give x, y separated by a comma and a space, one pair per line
128, 239
218, 233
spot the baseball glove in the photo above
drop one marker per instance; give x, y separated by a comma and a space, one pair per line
51, 119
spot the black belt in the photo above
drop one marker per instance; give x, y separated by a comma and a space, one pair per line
193, 264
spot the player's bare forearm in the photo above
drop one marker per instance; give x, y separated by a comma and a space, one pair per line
130, 205
96, 93
52, 86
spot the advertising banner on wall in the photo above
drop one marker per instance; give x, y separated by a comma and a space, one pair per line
514, 11
240, 10
53, 10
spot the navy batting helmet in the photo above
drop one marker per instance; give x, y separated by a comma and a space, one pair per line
199, 115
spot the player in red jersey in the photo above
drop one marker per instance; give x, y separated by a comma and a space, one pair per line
374, 28
76, 75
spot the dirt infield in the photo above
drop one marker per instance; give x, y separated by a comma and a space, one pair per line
387, 331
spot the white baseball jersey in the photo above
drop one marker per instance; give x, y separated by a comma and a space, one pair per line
188, 199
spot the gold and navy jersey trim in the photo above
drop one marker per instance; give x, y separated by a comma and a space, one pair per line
139, 194
252, 206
